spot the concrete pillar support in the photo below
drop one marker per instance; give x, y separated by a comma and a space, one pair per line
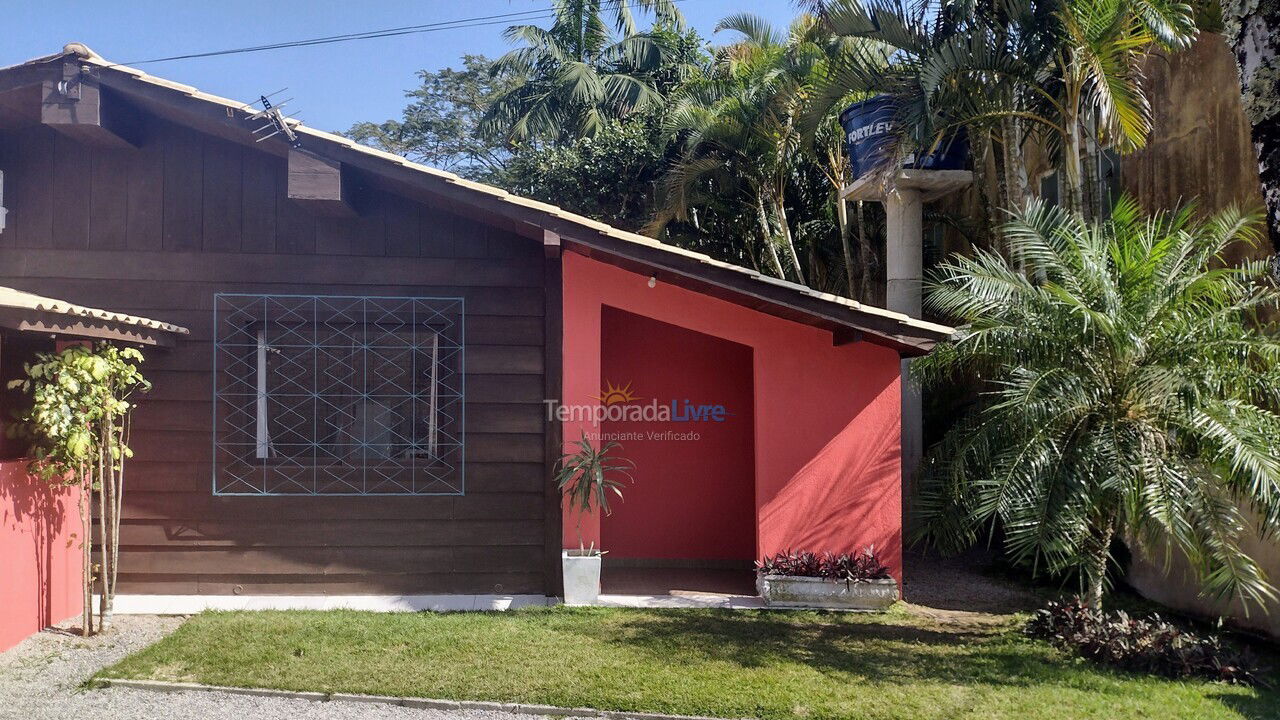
904, 195
904, 256
904, 262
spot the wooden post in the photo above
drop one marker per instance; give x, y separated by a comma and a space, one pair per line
553, 368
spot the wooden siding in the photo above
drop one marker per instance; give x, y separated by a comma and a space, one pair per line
157, 231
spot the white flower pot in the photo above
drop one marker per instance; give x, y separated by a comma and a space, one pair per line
787, 591
581, 577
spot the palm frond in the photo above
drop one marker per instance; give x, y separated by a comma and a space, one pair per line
755, 30
1126, 390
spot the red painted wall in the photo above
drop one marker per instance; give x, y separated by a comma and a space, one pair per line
40, 565
826, 439
692, 498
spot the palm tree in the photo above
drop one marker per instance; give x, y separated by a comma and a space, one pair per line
580, 72
740, 129
1067, 70
821, 54
1098, 70
945, 65
1127, 393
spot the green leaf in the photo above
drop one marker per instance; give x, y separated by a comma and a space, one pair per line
1125, 389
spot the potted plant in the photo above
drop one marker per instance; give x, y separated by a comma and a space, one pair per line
586, 478
857, 581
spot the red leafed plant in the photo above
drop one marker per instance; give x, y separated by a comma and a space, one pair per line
846, 567
1142, 644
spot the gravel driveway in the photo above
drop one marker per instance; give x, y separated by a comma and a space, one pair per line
41, 679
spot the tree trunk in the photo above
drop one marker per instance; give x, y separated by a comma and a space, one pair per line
766, 234
786, 235
1095, 571
1000, 156
118, 493
842, 217
109, 519
981, 143
1252, 28
864, 252
104, 556
1071, 192
86, 552
1092, 190
1015, 168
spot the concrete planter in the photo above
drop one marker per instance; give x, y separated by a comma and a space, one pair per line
581, 577
786, 591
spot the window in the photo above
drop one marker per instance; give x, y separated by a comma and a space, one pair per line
338, 395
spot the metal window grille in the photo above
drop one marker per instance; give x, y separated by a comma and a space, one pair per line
337, 395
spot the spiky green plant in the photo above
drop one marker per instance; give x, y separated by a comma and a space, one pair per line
1127, 391
588, 476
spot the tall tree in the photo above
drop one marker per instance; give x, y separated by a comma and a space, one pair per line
1127, 392
1101, 48
438, 127
740, 130
1253, 29
813, 61
580, 72
609, 177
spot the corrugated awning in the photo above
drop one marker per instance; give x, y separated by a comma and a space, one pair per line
29, 312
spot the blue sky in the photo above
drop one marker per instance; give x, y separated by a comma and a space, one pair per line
332, 85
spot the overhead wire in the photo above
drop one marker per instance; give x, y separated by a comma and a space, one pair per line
461, 23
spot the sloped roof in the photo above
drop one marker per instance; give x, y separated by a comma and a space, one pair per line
22, 303
909, 334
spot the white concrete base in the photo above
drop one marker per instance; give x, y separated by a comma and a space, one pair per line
581, 578
932, 184
786, 591
192, 604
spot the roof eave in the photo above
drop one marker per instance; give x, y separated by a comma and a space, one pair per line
909, 336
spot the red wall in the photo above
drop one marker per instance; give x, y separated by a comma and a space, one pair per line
692, 498
826, 438
40, 566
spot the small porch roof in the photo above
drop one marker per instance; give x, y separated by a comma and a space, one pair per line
28, 312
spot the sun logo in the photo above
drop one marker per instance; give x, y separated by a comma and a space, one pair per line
613, 394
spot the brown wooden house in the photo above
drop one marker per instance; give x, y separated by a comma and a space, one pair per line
359, 406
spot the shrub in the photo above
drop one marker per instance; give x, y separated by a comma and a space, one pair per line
1150, 645
855, 567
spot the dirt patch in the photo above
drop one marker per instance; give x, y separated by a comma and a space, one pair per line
962, 589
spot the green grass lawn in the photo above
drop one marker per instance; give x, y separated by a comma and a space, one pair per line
701, 662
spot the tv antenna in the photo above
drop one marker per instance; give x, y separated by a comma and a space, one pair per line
277, 121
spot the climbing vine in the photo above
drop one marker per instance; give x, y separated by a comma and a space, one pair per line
78, 425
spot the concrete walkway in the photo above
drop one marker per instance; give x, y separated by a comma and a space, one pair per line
684, 600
